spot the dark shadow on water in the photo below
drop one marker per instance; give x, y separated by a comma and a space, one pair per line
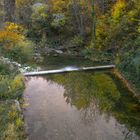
58, 62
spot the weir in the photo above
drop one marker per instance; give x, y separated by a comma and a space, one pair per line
68, 69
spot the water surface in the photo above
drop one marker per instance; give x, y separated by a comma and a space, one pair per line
59, 62
80, 106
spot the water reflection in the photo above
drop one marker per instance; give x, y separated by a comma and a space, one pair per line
81, 106
51, 62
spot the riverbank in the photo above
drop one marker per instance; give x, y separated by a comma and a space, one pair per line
126, 83
18, 90
11, 91
11, 127
127, 66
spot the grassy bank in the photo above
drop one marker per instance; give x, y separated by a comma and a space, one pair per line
11, 126
11, 89
130, 67
17, 49
118, 75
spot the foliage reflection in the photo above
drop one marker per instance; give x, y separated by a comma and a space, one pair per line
93, 93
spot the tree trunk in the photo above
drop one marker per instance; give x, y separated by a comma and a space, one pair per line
9, 9
93, 24
103, 6
79, 17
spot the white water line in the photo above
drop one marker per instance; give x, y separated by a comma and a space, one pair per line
68, 69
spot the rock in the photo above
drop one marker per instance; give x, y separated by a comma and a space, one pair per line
59, 51
52, 51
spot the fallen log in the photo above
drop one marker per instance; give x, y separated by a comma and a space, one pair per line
68, 69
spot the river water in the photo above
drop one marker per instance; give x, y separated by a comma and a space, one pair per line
80, 106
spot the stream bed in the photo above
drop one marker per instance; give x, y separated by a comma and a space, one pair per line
91, 105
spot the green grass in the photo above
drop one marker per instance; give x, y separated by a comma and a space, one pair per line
11, 124
11, 88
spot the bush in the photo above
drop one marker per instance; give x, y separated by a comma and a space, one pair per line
6, 69
40, 21
77, 41
118, 9
21, 52
59, 21
13, 43
11, 127
11, 88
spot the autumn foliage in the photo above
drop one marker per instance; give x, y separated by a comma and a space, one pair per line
13, 43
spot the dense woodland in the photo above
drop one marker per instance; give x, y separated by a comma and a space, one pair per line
101, 30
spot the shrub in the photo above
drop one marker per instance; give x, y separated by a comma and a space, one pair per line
11, 88
39, 21
59, 20
10, 133
11, 127
13, 43
6, 69
118, 9
77, 41
20, 52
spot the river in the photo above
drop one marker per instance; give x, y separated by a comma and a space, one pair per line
91, 105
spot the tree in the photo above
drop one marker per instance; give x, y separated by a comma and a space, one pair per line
23, 11
93, 40
9, 9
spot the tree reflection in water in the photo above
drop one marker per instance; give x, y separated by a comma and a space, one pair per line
97, 94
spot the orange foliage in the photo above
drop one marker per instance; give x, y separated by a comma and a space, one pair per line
10, 35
